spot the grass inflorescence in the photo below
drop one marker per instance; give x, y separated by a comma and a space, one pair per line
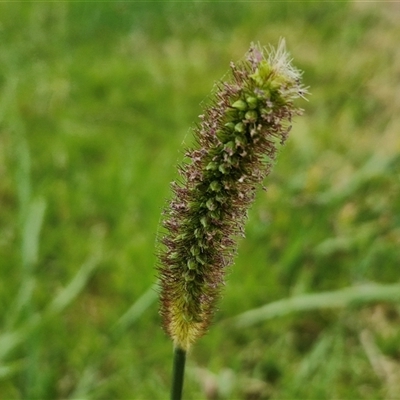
237, 142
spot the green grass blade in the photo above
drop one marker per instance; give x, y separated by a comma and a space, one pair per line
31, 232
137, 309
356, 295
12, 339
72, 290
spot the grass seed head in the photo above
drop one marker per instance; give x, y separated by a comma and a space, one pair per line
237, 141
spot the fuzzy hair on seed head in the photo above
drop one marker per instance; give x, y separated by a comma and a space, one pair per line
236, 144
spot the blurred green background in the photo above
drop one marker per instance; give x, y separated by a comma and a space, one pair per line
96, 105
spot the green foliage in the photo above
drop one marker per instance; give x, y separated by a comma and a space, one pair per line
95, 101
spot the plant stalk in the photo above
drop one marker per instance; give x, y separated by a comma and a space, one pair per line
178, 373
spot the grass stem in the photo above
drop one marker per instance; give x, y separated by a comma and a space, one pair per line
178, 373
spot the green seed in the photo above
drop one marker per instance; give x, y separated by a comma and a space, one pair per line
230, 125
215, 186
200, 260
191, 264
190, 276
222, 169
240, 141
240, 105
211, 204
251, 116
239, 127
212, 166
252, 102
194, 250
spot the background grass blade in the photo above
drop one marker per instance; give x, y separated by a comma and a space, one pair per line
137, 309
353, 296
68, 294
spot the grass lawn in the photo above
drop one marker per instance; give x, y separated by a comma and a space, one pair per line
97, 101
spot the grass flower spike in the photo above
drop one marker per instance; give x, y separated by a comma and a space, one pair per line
237, 141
